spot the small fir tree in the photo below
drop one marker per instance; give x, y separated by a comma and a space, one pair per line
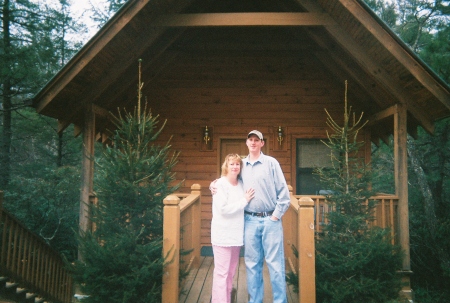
121, 259
354, 261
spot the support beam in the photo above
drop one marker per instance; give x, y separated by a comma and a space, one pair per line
87, 173
306, 251
171, 249
245, 19
388, 112
401, 190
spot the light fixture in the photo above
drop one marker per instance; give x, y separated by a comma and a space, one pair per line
280, 135
206, 136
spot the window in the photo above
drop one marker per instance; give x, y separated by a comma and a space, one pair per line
311, 153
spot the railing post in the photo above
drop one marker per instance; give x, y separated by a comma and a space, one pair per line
196, 225
306, 251
171, 249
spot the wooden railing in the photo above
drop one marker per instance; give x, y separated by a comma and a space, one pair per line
298, 228
28, 261
182, 220
305, 219
384, 215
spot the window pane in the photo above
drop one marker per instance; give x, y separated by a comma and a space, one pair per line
310, 154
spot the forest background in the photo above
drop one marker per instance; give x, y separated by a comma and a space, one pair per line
39, 168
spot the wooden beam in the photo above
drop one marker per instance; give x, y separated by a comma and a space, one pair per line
62, 125
87, 174
401, 190
388, 112
100, 111
244, 19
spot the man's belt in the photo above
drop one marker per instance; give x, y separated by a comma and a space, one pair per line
261, 214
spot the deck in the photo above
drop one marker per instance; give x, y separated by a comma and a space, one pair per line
197, 288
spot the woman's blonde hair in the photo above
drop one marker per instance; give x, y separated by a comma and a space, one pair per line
230, 158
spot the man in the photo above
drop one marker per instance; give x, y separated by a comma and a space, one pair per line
263, 233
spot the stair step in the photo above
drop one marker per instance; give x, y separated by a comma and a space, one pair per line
30, 295
39, 300
11, 284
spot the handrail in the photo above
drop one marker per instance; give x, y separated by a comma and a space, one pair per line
27, 260
181, 232
384, 213
298, 229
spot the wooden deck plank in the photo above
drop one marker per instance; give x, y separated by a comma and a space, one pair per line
205, 295
199, 281
241, 286
197, 288
189, 281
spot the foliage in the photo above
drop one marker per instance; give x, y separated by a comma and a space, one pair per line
291, 277
423, 25
429, 213
35, 44
47, 203
121, 259
41, 193
354, 261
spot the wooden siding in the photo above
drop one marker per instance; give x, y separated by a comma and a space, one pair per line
232, 93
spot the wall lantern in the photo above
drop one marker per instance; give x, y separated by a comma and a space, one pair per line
206, 136
280, 135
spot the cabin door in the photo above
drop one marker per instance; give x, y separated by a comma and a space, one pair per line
234, 146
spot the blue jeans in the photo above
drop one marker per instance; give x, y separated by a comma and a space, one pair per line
263, 238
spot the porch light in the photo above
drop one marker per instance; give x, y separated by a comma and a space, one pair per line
280, 135
206, 136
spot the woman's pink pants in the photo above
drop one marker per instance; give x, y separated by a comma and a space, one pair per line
226, 260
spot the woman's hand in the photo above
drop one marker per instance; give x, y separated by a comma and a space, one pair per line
249, 194
213, 188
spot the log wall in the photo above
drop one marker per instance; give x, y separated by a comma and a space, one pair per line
232, 93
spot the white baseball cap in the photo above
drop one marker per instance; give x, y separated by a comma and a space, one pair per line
257, 133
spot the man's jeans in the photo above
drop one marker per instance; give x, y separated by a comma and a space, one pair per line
264, 238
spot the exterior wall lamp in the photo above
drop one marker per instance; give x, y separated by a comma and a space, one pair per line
280, 135
206, 136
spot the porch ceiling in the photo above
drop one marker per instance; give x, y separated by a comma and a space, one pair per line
343, 35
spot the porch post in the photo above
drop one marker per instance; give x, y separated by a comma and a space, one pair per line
196, 225
87, 169
401, 190
306, 252
171, 249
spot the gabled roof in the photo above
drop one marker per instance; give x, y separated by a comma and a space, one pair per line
344, 35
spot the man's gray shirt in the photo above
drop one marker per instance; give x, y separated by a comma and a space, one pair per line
266, 178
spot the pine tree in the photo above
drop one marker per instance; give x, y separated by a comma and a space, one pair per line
122, 258
354, 261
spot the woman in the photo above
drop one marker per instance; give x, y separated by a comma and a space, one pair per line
227, 227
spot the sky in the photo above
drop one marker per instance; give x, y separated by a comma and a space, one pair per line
80, 9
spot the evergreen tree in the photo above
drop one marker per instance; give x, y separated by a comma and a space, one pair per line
355, 262
122, 257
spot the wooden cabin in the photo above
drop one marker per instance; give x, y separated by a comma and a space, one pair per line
216, 70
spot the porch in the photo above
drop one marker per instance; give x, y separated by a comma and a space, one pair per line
197, 287
302, 223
